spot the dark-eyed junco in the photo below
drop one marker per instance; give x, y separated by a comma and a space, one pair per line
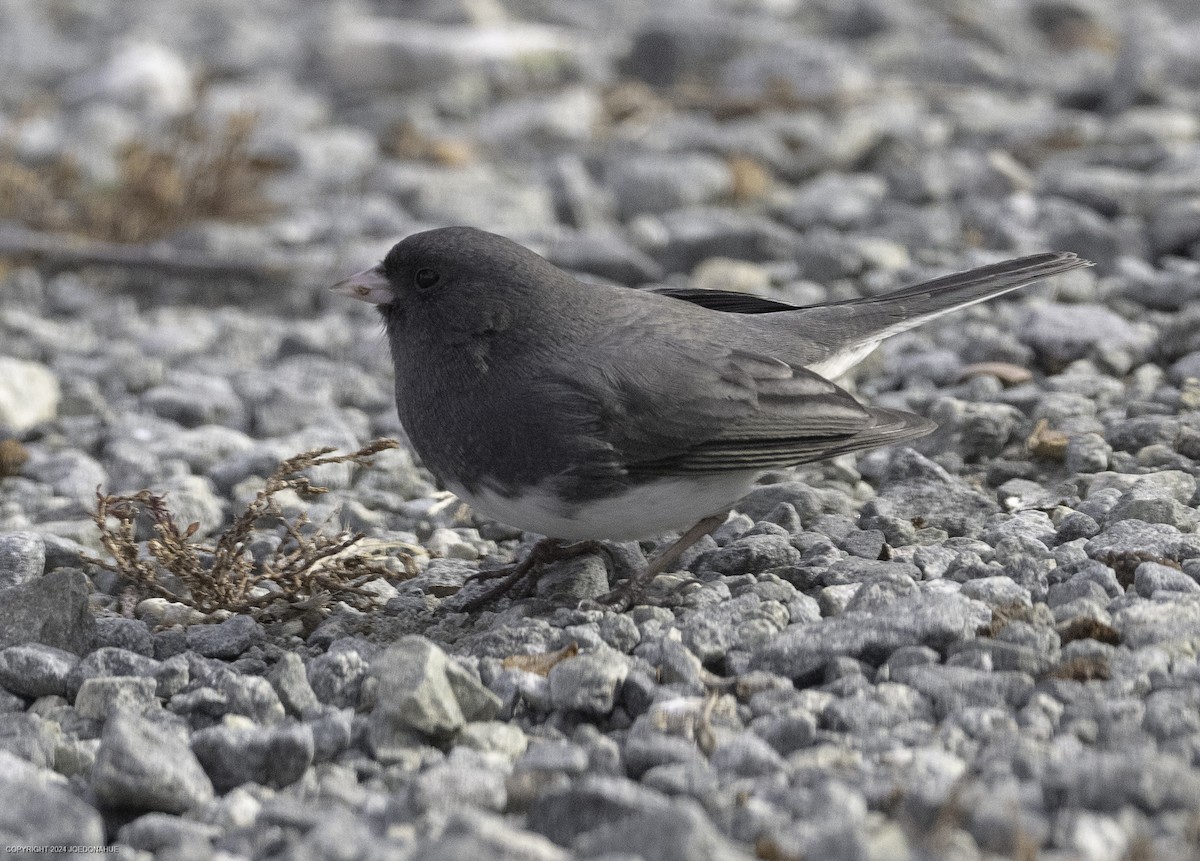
599, 412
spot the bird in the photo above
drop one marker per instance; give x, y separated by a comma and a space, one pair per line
592, 412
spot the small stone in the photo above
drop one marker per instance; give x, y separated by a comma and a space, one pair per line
337, 677
100, 696
926, 619
39, 811
30, 737
679, 831
1151, 577
419, 689
747, 755
130, 634
29, 394
237, 753
22, 558
494, 737
226, 640
52, 609
155, 832
658, 182
463, 779
110, 661
36, 670
587, 683
588, 803
142, 765
290, 681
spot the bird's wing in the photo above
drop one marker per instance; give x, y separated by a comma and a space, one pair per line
701, 408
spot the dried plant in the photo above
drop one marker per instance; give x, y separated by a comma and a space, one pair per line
191, 172
308, 571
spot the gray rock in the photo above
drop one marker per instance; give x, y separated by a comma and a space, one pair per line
475, 834
747, 755
233, 755
697, 233
587, 683
915, 487
997, 592
332, 732
1151, 577
464, 779
382, 54
977, 430
72, 475
1077, 525
111, 661
930, 619
876, 594
1064, 333
1176, 226
952, 688
232, 693
786, 733
479, 194
143, 765
29, 394
591, 802
40, 810
1159, 623
130, 634
604, 254
100, 696
22, 558
751, 554
677, 832
834, 199
572, 581
1135, 537
53, 609
193, 400
647, 748
290, 681
29, 736
226, 640
1108, 780
658, 182
157, 832
419, 689
548, 756
36, 670
337, 677
808, 70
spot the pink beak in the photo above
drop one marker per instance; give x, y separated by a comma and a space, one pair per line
370, 285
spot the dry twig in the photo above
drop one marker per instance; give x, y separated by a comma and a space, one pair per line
308, 571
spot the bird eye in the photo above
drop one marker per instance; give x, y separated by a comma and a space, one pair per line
426, 278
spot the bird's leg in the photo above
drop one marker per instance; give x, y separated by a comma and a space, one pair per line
622, 597
545, 551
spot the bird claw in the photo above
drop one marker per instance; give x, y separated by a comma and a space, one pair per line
521, 577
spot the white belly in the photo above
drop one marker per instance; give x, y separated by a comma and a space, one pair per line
667, 505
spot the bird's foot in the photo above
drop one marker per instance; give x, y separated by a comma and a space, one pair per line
521, 577
624, 596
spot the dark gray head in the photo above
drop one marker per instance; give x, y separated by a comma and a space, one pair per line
456, 281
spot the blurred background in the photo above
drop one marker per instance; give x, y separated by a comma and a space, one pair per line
218, 151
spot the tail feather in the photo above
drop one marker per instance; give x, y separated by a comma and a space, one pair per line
853, 328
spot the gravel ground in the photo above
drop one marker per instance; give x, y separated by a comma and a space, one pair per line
980, 647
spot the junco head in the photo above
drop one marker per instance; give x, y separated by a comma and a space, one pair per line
601, 412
